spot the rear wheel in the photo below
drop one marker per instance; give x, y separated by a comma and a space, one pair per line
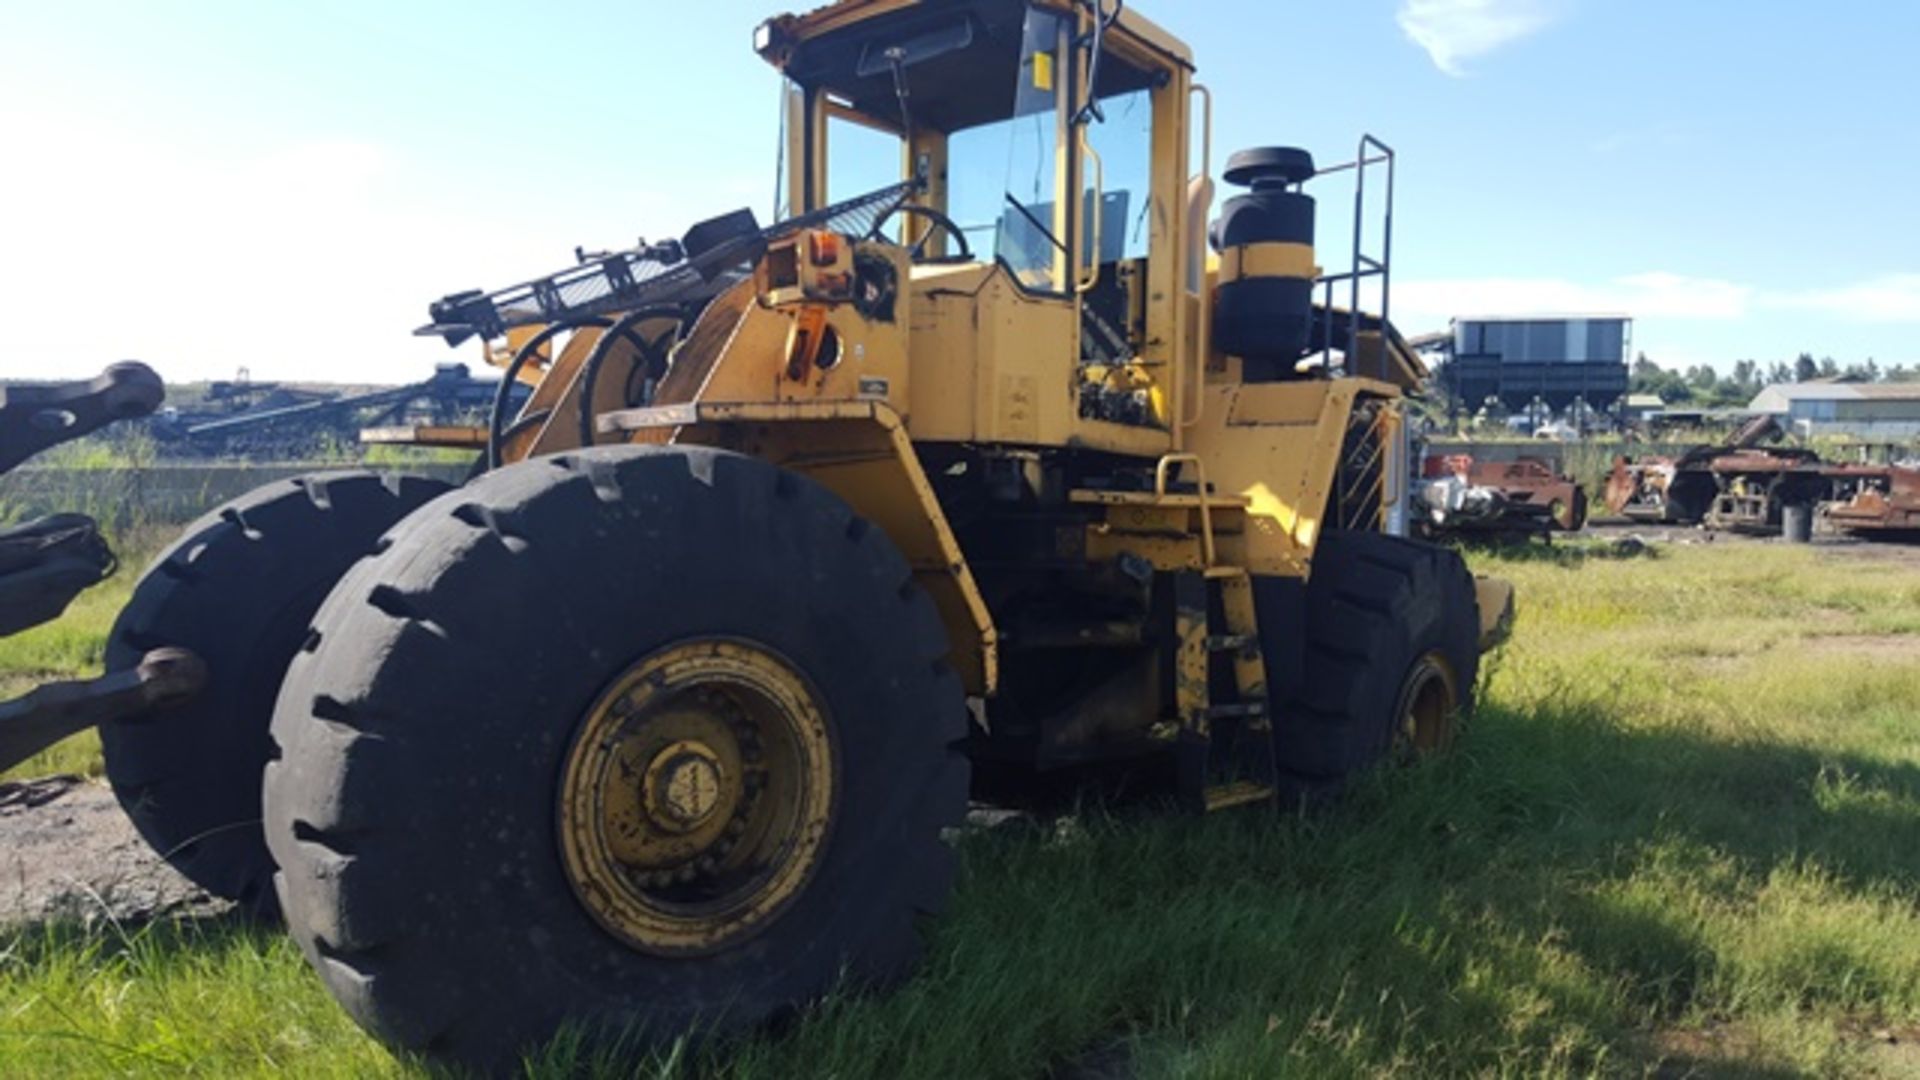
1569, 516
1392, 651
238, 589
649, 740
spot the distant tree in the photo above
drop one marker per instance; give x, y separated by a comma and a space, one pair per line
1671, 387
1828, 368
1804, 369
1779, 373
1746, 374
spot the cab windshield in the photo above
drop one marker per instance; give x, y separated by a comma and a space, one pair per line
977, 103
1003, 178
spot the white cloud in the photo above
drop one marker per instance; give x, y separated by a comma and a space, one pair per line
1678, 296
1454, 32
301, 258
1657, 293
1894, 298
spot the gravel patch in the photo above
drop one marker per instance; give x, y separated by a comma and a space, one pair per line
68, 853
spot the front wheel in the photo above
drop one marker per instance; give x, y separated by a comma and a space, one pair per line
647, 740
1392, 651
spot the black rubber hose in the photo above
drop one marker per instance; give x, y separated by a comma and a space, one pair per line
624, 329
503, 394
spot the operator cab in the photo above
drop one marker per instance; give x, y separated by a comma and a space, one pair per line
982, 106
977, 102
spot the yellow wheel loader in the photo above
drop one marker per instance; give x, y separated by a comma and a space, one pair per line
1000, 453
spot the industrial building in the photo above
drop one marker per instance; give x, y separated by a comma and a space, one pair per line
1863, 410
1556, 360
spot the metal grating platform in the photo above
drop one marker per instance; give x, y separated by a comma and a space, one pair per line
693, 269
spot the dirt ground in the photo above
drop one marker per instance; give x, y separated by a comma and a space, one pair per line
1833, 544
1723, 1049
68, 852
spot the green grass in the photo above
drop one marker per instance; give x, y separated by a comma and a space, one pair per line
1680, 836
389, 456
212, 999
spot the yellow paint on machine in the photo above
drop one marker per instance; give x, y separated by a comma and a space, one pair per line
860, 452
1281, 260
1277, 445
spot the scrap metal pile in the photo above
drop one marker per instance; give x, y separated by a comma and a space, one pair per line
1876, 501
1458, 495
1747, 485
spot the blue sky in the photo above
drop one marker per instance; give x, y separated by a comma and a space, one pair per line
208, 184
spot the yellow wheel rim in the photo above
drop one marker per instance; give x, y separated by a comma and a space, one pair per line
697, 797
1429, 702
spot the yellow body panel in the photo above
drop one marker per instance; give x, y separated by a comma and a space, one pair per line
554, 395
993, 364
1268, 260
860, 452
1277, 445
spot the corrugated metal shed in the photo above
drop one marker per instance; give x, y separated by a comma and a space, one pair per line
1890, 410
1777, 399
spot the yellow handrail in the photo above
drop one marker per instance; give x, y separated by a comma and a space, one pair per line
1091, 274
1203, 333
1167, 461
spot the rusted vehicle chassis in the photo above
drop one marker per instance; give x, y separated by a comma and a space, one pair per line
1875, 502
1740, 489
1526, 495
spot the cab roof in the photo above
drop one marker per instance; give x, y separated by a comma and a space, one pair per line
823, 20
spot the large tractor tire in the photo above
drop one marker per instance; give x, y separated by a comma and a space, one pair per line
1392, 652
646, 740
238, 588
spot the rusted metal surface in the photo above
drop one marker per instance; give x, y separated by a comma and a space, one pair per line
49, 713
1879, 502
1741, 484
1745, 486
1527, 495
